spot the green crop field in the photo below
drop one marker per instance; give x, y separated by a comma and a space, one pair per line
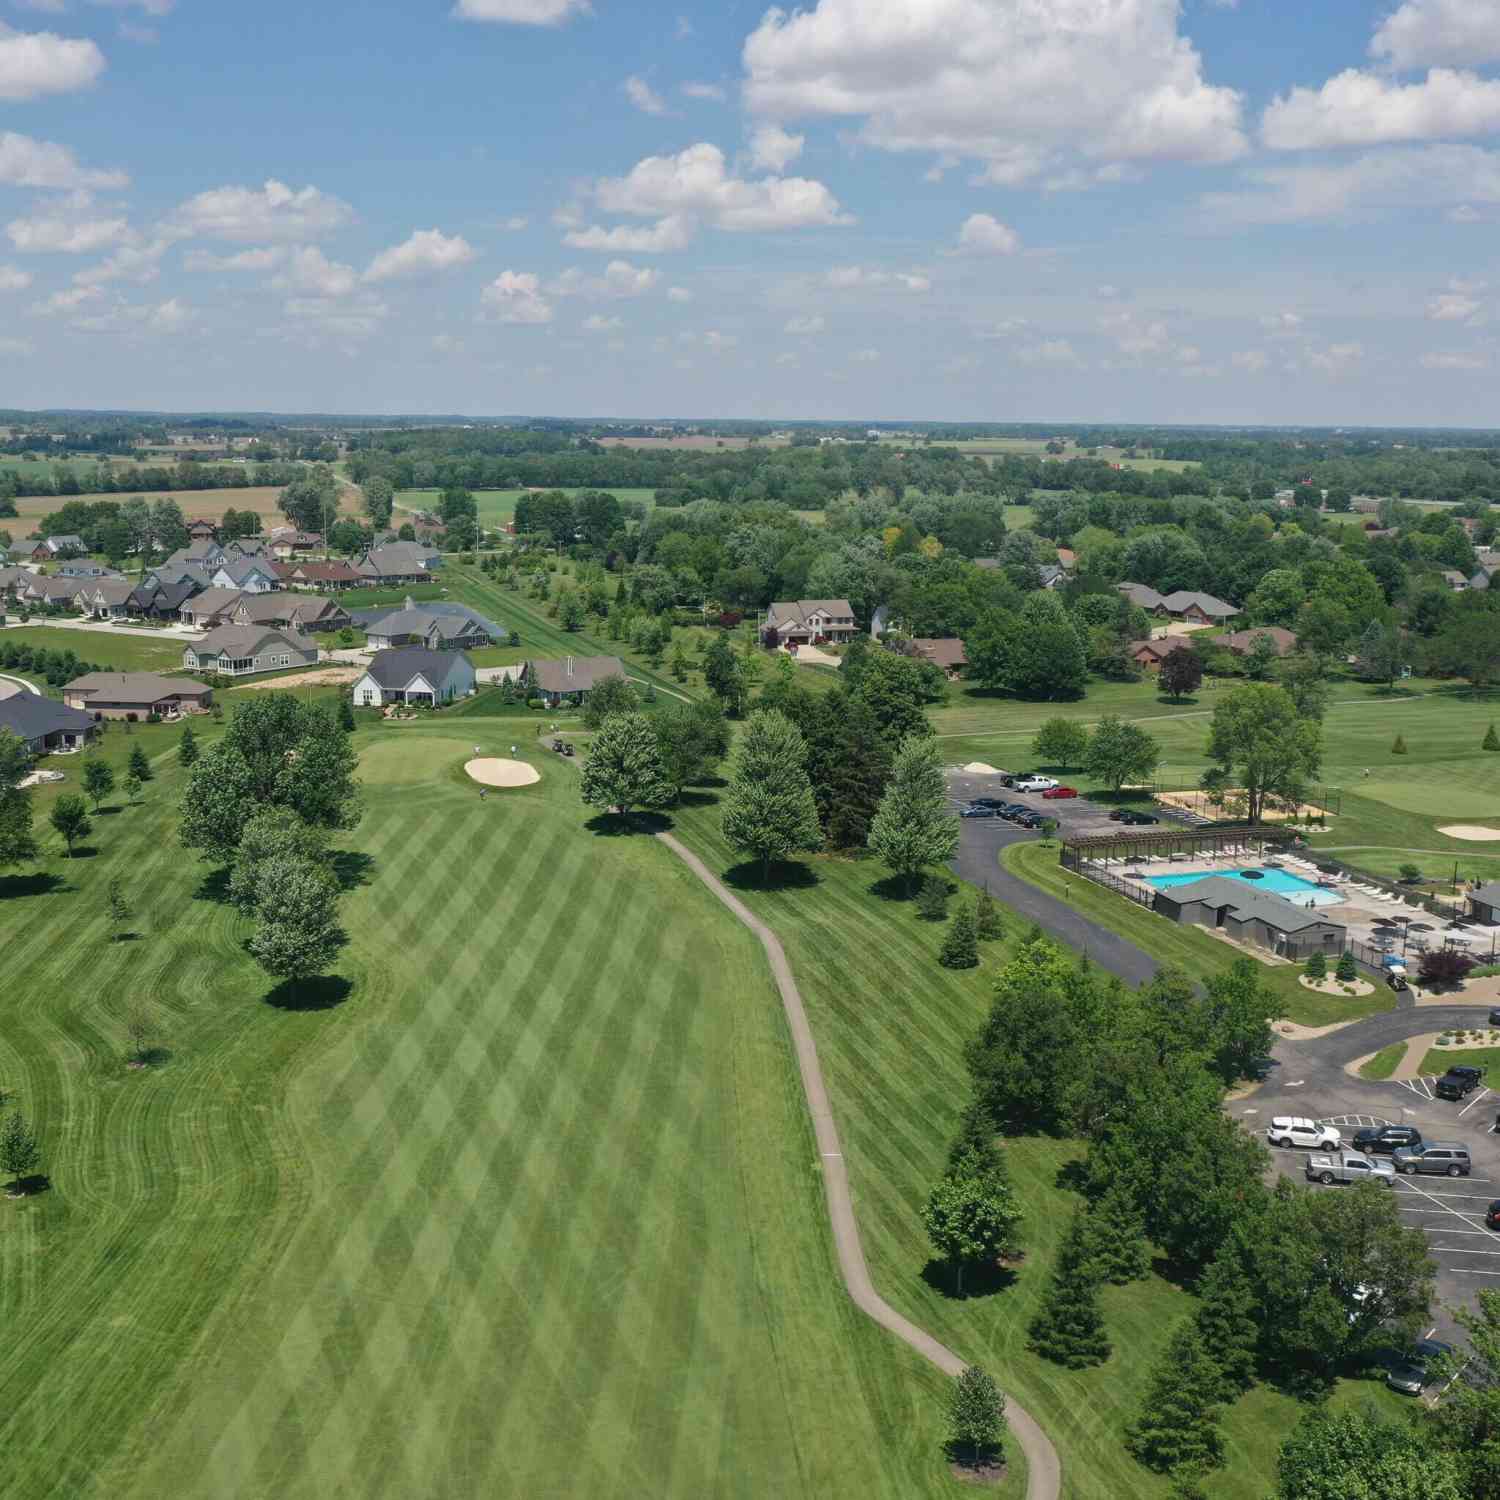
32, 511
534, 1210
497, 507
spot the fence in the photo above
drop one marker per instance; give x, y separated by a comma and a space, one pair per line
1130, 889
1329, 800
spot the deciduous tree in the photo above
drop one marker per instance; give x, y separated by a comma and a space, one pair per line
276, 833
624, 769
1119, 752
769, 811
1259, 744
976, 1417
298, 934
117, 908
1346, 1454
1061, 742
610, 695
913, 828
970, 1222
98, 780
20, 1154
70, 818
17, 843
1181, 673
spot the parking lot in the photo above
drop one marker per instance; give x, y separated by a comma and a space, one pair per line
1448, 1210
1077, 817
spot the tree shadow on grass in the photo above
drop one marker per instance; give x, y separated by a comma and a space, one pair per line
979, 1281
693, 798
83, 851
1073, 1176
325, 992
109, 812
149, 1057
44, 883
1186, 701
351, 868
28, 1187
214, 886
895, 888
783, 875
614, 825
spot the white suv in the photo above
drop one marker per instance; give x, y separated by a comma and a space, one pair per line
1293, 1130
1035, 784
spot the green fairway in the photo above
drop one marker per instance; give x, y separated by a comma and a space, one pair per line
535, 1210
116, 652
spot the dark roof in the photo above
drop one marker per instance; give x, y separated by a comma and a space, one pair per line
413, 619
393, 669
1488, 894
1235, 896
31, 716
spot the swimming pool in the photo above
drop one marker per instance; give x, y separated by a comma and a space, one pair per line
1279, 882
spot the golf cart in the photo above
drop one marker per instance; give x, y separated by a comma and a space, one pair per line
1395, 976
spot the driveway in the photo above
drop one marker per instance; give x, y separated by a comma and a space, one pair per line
1308, 1078
14, 685
167, 633
978, 861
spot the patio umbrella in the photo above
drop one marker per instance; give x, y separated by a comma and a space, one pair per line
1330, 869
1423, 927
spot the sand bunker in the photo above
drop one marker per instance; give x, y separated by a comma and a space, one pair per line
503, 772
1470, 831
979, 768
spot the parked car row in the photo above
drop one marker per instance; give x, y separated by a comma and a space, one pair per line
1409, 1153
1012, 812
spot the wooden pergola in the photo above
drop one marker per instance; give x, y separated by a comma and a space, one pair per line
1162, 843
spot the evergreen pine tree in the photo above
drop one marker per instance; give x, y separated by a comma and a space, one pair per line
187, 746
1346, 972
140, 767
1178, 1424
1068, 1327
987, 923
961, 944
1118, 1249
932, 899
346, 716
1229, 1321
1317, 966
1491, 739
1399, 747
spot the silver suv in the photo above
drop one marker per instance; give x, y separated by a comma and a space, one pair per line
1437, 1158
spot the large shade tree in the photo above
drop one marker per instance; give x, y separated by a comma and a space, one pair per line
1262, 748
769, 811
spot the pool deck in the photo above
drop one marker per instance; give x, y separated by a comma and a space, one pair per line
1360, 908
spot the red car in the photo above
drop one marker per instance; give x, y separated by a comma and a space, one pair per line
1061, 791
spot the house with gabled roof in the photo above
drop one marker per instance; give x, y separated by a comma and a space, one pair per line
250, 575
800, 622
137, 695
246, 650
415, 675
437, 626
45, 724
570, 679
399, 562
106, 598
50, 548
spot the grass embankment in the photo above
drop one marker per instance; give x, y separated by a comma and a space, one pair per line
1384, 1063
1487, 1059
1179, 943
534, 1210
115, 652
891, 1025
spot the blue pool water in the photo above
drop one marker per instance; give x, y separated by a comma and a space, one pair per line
1280, 882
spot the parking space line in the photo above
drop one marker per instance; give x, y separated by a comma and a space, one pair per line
1470, 1105
1406, 1182
1459, 1250
1413, 1188
1465, 1271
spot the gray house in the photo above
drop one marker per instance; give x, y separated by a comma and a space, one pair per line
244, 650
44, 723
1484, 903
250, 575
414, 674
571, 680
1251, 916
399, 562
439, 627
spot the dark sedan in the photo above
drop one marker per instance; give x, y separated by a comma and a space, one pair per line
1384, 1139
1492, 1218
1416, 1371
1133, 819
979, 812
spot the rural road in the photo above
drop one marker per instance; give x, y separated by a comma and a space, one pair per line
1044, 1472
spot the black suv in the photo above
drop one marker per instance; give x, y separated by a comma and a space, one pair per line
994, 802
1458, 1082
1133, 819
1384, 1139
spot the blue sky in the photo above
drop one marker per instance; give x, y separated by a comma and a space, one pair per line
1111, 210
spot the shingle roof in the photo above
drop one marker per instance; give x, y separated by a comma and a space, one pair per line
246, 640
31, 716
1489, 894
1244, 640
574, 674
238, 569
945, 651
216, 601
394, 669
1142, 594
1220, 892
134, 687
1185, 598
796, 611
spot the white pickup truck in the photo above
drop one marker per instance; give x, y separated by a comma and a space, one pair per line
1349, 1166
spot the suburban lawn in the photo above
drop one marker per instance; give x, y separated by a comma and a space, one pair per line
534, 1210
891, 1025
1179, 943
1440, 1059
1384, 1063
115, 652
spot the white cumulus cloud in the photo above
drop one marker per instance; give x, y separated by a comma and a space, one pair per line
34, 63
271, 212
264, 259
643, 96
851, 278
805, 327
311, 272
14, 279
1453, 307
773, 149
516, 297
30, 163
984, 234
67, 229
426, 251
672, 233
1364, 109
1421, 33
620, 279
1015, 85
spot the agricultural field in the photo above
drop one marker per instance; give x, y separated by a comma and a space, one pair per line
32, 511
691, 444
480, 1224
114, 652
498, 507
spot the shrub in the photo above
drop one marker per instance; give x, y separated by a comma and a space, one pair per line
1399, 747
932, 899
1346, 973
1444, 966
1317, 966
1491, 740
1411, 874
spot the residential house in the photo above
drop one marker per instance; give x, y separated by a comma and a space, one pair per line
286, 542
82, 568
245, 650
48, 592
570, 680
1260, 917
303, 613
322, 575
106, 598
1242, 642
137, 695
44, 723
13, 580
438, 626
178, 572
1067, 558
206, 554
399, 562
201, 530
210, 608
250, 575
942, 651
413, 674
1143, 596
50, 548
1151, 654
1053, 575
1455, 580
1484, 903
800, 622
161, 601
1198, 609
